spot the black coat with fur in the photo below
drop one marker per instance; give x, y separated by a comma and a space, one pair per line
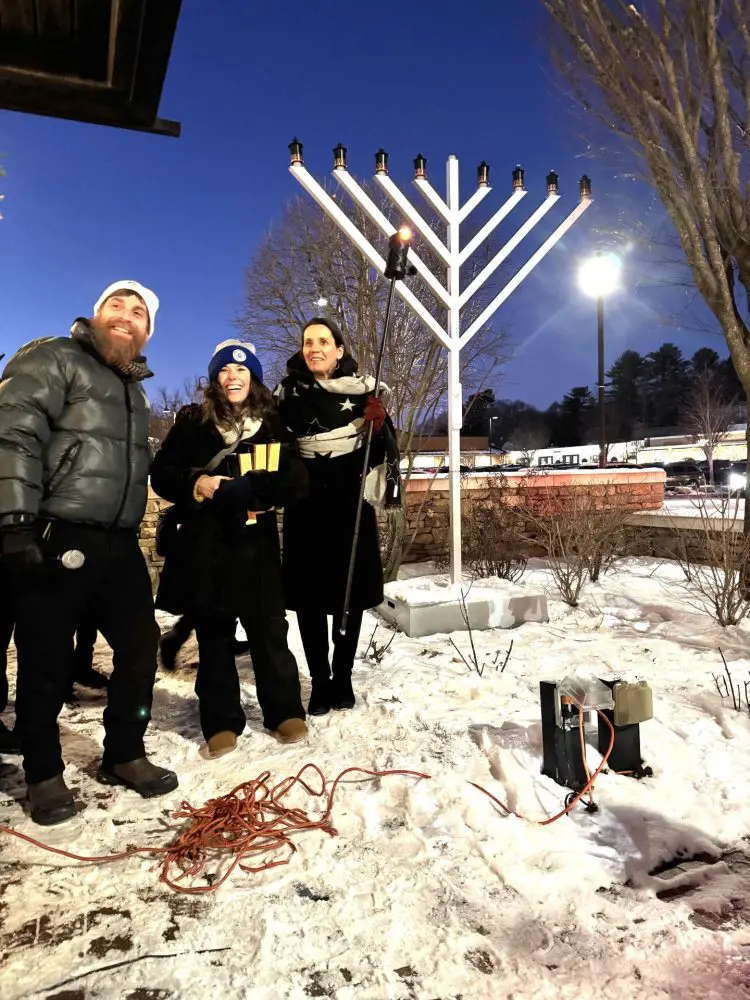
219, 565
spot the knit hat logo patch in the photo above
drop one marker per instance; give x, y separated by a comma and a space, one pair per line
239, 356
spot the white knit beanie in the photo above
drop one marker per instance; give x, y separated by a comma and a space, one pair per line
135, 288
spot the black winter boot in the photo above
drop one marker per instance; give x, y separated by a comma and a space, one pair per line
51, 801
90, 678
342, 693
139, 775
9, 742
320, 696
170, 645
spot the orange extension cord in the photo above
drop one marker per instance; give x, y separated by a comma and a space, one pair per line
252, 820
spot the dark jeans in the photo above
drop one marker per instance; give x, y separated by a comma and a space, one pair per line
313, 627
217, 684
114, 587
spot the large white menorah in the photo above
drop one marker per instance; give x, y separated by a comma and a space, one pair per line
453, 256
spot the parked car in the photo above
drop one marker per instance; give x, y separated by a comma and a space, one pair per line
684, 474
728, 476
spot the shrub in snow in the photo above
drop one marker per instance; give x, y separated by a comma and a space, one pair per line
582, 532
493, 534
717, 565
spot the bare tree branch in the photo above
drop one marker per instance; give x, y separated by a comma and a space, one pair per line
708, 415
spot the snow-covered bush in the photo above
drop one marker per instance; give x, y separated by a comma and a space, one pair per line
716, 563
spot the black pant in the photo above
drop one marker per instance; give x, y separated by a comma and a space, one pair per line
114, 586
217, 684
313, 628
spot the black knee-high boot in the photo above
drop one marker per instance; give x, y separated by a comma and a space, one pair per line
344, 651
313, 628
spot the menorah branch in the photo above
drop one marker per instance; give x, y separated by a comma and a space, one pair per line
429, 193
479, 195
507, 249
489, 227
527, 268
402, 202
366, 203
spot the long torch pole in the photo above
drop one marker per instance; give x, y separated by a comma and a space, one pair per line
365, 463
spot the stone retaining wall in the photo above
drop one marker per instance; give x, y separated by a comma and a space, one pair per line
540, 493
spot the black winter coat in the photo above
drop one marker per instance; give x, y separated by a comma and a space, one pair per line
220, 565
318, 538
73, 435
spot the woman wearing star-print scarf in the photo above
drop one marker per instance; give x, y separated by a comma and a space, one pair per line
326, 405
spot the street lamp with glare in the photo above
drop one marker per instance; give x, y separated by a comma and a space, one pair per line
598, 277
322, 302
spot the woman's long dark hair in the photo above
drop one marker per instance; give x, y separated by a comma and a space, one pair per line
259, 405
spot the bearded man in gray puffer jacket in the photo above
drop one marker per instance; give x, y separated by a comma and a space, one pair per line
74, 476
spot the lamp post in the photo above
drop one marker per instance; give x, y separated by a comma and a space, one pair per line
489, 439
598, 277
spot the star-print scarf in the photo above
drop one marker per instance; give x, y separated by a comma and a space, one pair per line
326, 418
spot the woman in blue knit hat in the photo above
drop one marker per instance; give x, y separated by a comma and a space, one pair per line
221, 543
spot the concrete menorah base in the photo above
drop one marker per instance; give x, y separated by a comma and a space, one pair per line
421, 607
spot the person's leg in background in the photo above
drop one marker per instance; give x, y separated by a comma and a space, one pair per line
172, 641
83, 656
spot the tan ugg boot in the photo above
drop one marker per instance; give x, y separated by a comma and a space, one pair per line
221, 743
291, 731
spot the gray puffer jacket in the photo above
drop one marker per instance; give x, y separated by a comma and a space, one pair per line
73, 435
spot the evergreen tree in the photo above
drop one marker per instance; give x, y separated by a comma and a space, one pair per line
477, 413
625, 396
666, 379
572, 419
704, 360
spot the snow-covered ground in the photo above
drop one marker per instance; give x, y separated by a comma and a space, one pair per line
696, 506
428, 892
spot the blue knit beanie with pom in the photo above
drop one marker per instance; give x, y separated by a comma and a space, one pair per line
234, 352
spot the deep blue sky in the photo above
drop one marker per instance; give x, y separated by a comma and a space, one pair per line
86, 205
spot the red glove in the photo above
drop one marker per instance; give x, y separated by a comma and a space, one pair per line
374, 411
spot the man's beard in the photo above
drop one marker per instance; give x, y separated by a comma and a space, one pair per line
115, 350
